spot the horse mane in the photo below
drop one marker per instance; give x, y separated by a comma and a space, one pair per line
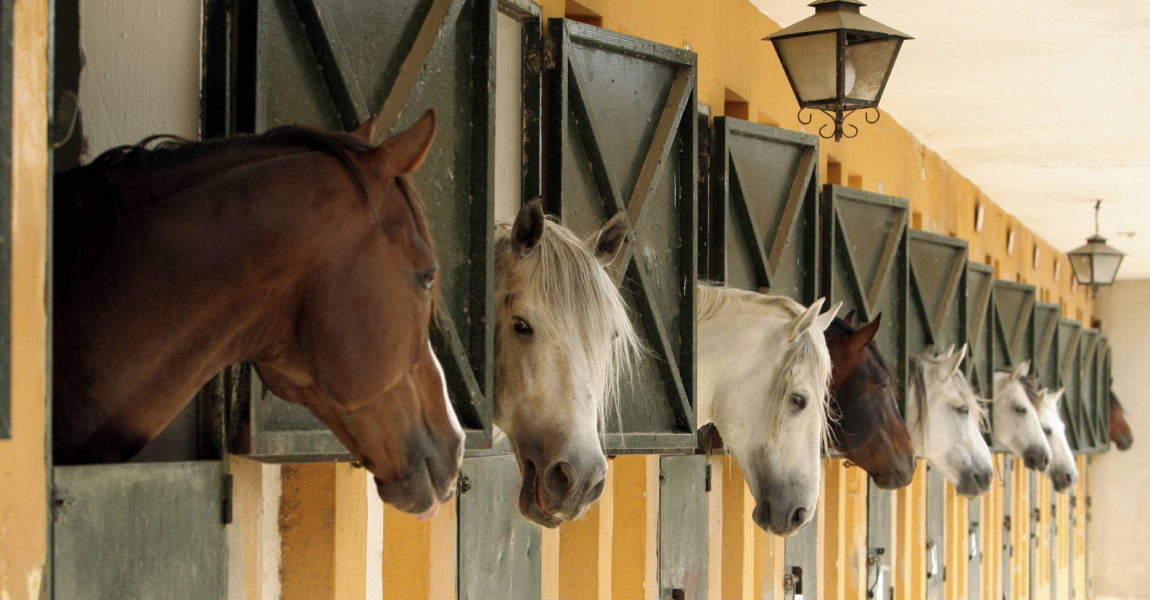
159, 152
712, 300
586, 307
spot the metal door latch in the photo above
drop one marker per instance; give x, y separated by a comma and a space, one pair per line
932, 559
793, 583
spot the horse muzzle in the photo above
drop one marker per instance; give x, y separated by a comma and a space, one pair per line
1062, 479
1036, 457
780, 517
974, 482
562, 492
428, 479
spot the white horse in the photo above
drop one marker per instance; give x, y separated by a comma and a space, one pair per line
1063, 471
763, 372
945, 418
1015, 420
563, 339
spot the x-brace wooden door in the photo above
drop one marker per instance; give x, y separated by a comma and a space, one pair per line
764, 213
331, 64
864, 264
622, 125
937, 319
1089, 393
1069, 372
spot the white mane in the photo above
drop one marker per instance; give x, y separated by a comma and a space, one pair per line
585, 306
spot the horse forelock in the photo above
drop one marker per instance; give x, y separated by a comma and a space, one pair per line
958, 379
581, 305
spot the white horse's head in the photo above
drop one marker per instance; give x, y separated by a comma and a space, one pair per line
562, 339
1016, 418
1063, 471
946, 418
763, 376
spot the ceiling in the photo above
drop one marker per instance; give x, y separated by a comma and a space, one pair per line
1037, 103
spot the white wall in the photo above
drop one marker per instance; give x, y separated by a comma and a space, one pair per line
1121, 532
142, 70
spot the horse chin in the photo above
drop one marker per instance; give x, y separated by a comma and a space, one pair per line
892, 479
532, 503
1124, 442
416, 493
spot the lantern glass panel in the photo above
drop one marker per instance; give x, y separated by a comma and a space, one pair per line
867, 64
810, 61
1106, 268
1083, 268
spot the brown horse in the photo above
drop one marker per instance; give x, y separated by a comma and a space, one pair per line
1120, 432
304, 252
869, 430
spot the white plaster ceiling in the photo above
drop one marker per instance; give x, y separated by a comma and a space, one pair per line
1040, 104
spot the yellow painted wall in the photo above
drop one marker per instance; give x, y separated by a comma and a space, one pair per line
23, 467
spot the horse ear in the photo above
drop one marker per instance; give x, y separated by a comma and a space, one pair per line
1056, 396
405, 151
866, 333
803, 323
528, 228
851, 317
365, 129
604, 245
824, 320
953, 360
1022, 370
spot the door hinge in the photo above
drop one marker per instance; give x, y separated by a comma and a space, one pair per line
708, 477
226, 505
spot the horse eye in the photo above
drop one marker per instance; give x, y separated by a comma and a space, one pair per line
963, 410
1047, 431
426, 279
521, 327
1020, 410
798, 401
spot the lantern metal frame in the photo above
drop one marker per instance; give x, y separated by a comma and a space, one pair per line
841, 17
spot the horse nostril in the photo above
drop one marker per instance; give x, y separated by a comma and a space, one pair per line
982, 478
559, 478
799, 516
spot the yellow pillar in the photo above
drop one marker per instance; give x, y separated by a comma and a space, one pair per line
24, 476
1020, 534
909, 560
957, 542
419, 557
307, 512
738, 533
634, 568
585, 548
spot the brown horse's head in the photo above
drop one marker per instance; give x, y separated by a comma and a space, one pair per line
1120, 432
364, 364
869, 431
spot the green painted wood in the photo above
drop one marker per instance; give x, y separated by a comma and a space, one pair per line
1014, 323
5, 219
683, 527
936, 544
150, 530
1069, 356
1089, 392
330, 64
499, 551
938, 316
865, 265
1102, 398
623, 137
1045, 363
765, 209
981, 327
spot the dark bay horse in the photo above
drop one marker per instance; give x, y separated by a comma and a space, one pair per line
1120, 432
304, 252
869, 431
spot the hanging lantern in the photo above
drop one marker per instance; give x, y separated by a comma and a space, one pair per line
837, 61
1095, 264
